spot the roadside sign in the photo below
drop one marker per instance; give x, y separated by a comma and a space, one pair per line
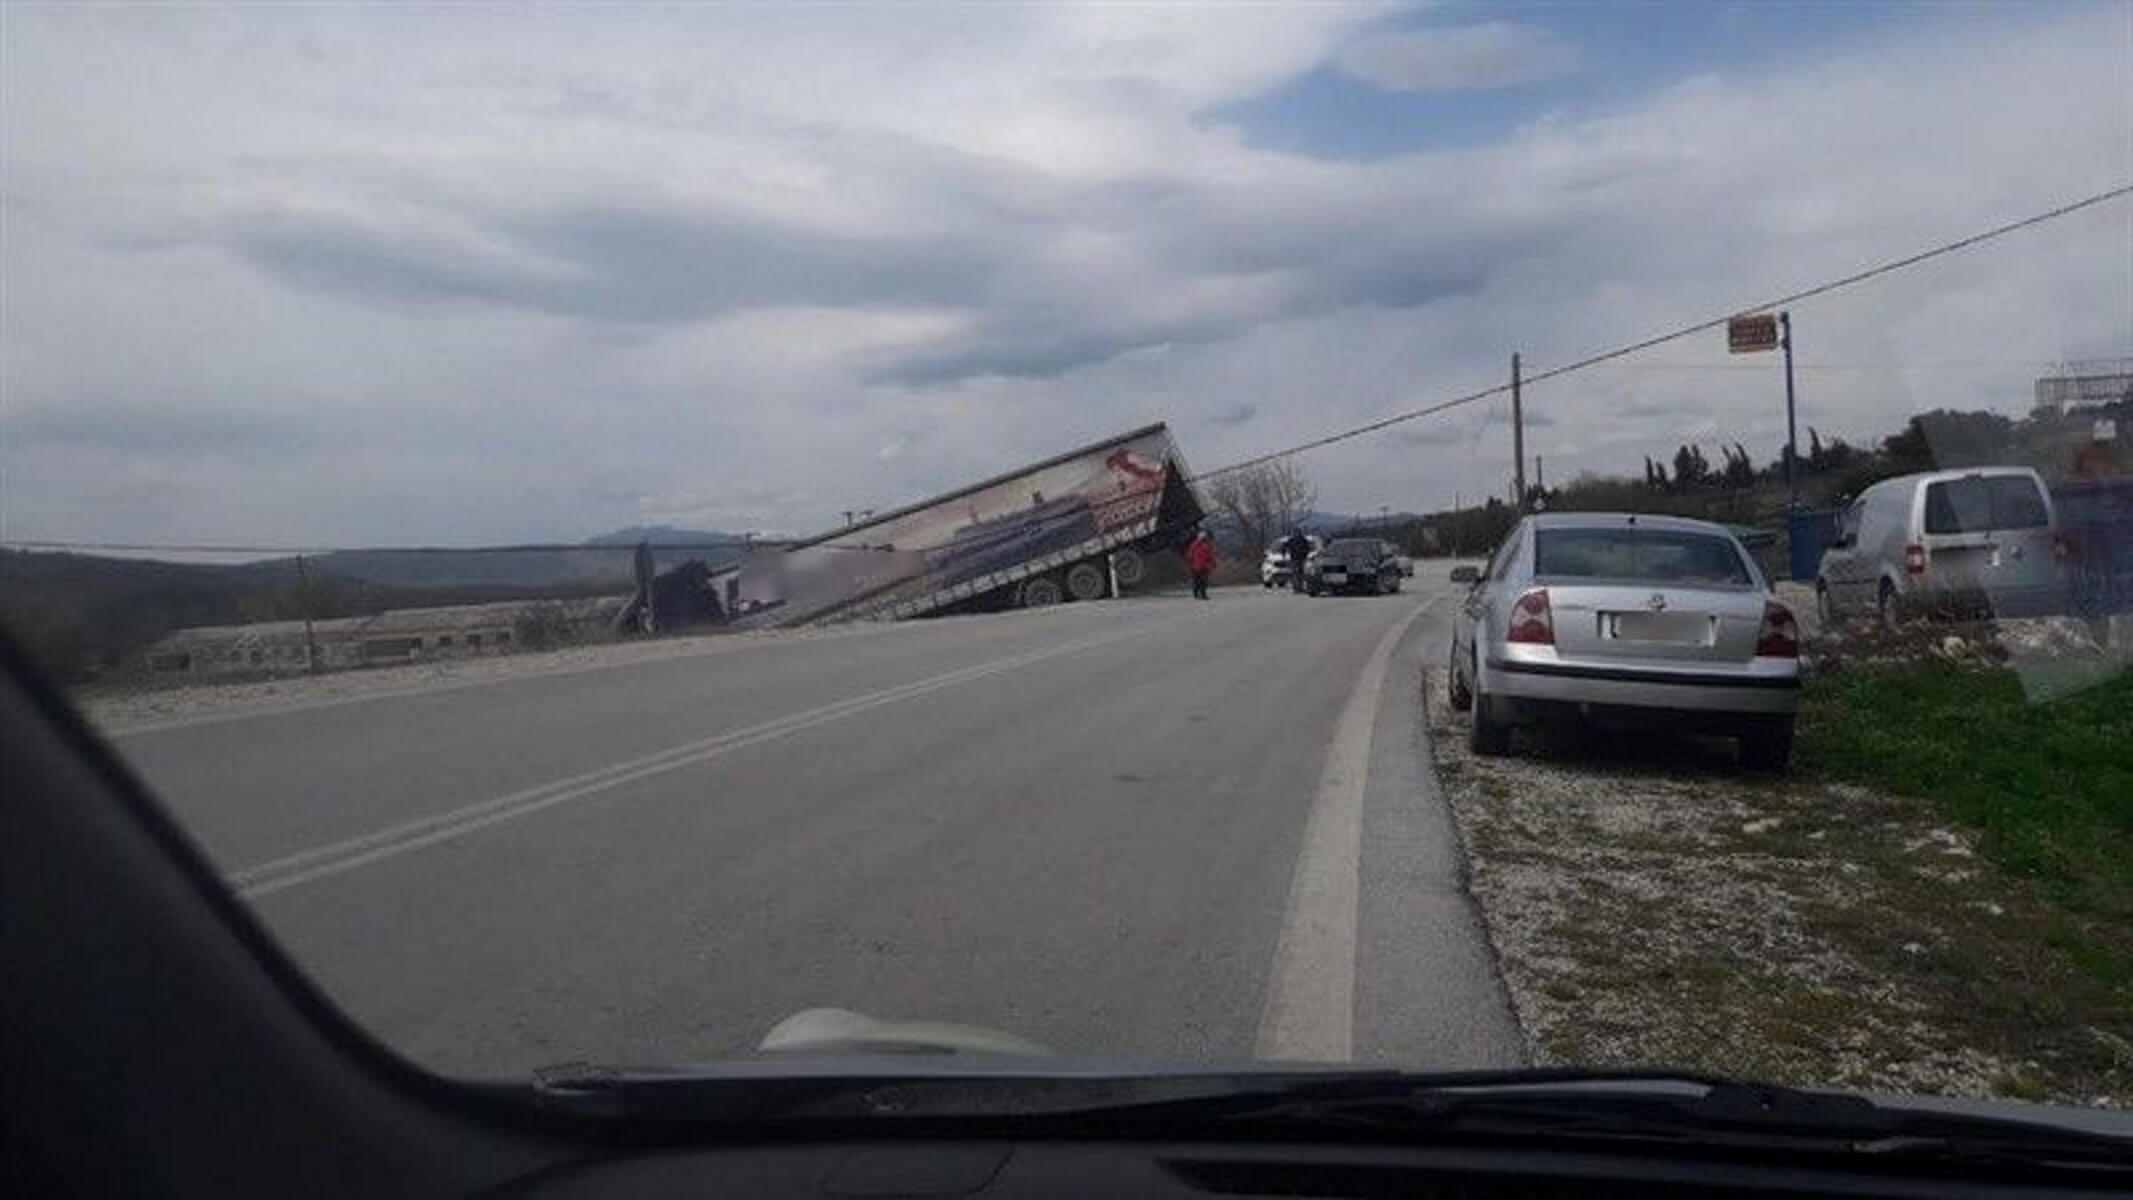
1748, 334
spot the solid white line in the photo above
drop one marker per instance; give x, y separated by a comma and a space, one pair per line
1310, 999
334, 858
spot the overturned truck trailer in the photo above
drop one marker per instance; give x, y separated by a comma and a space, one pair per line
1074, 527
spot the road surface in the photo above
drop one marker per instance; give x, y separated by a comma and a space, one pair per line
1147, 827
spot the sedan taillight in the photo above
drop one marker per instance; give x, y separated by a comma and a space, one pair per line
1531, 621
1779, 636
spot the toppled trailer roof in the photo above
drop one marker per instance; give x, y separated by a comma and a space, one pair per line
845, 533
1060, 528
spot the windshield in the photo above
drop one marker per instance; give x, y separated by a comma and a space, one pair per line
614, 525
1981, 503
1654, 556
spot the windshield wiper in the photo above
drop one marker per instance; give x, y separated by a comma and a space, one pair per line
1647, 1107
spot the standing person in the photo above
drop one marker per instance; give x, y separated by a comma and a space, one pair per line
1200, 560
1299, 547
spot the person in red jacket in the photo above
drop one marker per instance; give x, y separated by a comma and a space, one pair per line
1200, 560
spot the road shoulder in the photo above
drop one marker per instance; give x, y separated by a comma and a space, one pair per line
1649, 903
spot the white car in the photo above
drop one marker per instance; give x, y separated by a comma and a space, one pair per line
1625, 618
1274, 567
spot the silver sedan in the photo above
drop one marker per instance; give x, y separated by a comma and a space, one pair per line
1622, 618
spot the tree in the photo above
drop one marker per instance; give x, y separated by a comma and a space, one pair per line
1944, 438
1691, 468
1739, 471
1266, 500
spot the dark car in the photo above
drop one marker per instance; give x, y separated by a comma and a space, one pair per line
1364, 566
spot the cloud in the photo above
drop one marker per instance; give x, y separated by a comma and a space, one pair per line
1494, 54
329, 274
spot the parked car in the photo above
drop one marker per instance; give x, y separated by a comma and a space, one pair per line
1976, 541
1623, 618
1274, 568
1366, 566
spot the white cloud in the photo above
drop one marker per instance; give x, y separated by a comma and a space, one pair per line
365, 275
1493, 54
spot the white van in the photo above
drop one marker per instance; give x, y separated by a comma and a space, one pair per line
1971, 541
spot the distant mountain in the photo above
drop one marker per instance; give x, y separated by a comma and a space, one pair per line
661, 535
81, 614
1226, 529
602, 561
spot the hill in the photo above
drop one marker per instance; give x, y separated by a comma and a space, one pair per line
605, 560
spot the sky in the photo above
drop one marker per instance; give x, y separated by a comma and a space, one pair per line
388, 275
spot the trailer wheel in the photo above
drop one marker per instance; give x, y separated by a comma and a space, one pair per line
1128, 566
1085, 581
1041, 592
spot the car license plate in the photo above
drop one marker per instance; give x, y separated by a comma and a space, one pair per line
1680, 629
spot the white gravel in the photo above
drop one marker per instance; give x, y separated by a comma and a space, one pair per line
1650, 903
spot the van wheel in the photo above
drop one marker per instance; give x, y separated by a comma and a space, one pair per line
1888, 608
1767, 747
1085, 581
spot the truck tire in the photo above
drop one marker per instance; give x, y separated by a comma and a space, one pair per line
1085, 581
1041, 592
1128, 566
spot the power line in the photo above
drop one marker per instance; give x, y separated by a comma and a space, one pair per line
1674, 335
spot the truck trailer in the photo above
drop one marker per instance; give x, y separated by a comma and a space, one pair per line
1077, 526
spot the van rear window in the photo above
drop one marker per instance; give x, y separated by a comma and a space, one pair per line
1982, 502
1649, 555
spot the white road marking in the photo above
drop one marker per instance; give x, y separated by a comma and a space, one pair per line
322, 861
1310, 1000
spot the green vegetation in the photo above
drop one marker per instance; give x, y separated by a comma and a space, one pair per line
2048, 785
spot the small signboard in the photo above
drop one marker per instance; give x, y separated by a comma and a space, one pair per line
1748, 334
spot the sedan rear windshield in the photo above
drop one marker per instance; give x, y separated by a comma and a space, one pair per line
1977, 503
1645, 555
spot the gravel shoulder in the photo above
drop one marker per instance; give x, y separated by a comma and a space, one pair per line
1651, 903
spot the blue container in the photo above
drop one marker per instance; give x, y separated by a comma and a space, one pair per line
1810, 531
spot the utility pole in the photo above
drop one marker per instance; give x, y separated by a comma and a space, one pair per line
303, 587
1792, 432
1457, 498
1518, 441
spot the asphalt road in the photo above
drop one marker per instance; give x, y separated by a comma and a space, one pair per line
1140, 827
